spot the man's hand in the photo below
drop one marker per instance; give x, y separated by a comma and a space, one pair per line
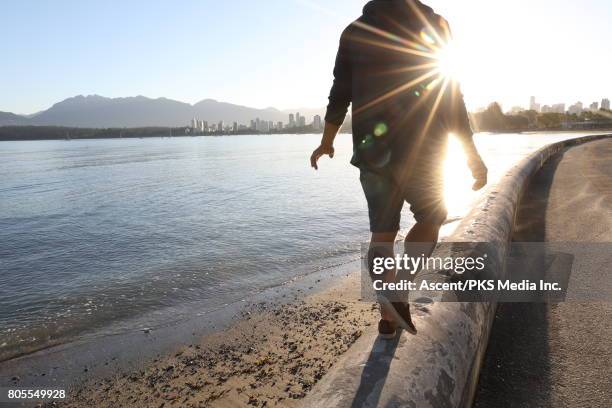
327, 144
479, 172
321, 151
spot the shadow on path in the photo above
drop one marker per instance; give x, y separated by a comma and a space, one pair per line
517, 370
375, 372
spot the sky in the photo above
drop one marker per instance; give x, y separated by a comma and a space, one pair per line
281, 52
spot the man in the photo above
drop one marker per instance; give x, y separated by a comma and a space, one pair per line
403, 109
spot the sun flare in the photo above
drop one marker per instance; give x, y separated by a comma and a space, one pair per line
448, 61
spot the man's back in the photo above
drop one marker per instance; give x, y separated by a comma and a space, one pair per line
387, 67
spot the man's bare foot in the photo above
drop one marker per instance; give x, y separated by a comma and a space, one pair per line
387, 330
398, 312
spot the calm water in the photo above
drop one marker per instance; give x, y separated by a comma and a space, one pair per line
95, 232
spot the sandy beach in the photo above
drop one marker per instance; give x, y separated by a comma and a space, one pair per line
271, 357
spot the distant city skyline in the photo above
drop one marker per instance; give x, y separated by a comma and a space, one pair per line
281, 53
562, 107
296, 120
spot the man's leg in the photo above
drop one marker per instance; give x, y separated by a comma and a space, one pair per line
424, 232
383, 242
394, 313
419, 242
426, 198
385, 202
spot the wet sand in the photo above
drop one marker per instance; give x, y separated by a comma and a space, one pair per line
271, 357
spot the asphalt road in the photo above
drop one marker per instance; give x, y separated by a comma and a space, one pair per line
560, 355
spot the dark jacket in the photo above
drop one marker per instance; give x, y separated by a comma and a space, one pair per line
400, 118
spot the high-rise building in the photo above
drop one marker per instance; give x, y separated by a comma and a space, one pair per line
558, 108
298, 119
194, 123
291, 120
533, 105
220, 126
605, 104
279, 125
316, 123
253, 125
302, 121
575, 109
235, 126
205, 126
594, 106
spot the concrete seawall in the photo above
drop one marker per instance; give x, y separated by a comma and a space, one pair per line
440, 366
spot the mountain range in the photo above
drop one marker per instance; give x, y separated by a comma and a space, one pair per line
94, 111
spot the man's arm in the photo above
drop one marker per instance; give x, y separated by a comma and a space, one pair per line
458, 122
340, 97
341, 92
475, 163
460, 126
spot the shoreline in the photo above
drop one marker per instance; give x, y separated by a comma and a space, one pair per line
272, 356
282, 328
84, 360
84, 366
202, 312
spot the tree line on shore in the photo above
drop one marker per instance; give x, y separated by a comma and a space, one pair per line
8, 133
493, 119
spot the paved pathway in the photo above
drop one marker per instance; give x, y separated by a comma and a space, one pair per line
560, 355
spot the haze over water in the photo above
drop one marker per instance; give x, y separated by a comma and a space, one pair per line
93, 232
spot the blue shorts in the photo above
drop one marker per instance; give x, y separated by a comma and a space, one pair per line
424, 193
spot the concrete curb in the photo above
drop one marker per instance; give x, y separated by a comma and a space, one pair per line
440, 366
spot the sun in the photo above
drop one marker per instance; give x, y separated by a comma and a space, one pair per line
448, 61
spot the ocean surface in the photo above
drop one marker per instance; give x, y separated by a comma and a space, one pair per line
96, 233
